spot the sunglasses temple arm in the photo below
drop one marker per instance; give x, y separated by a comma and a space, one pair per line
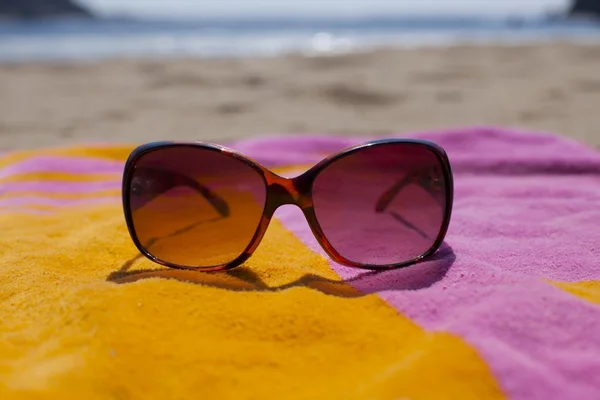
386, 198
173, 179
404, 222
214, 199
179, 231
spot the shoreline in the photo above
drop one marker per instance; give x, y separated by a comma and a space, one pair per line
550, 87
434, 42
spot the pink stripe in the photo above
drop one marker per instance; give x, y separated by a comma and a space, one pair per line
44, 201
508, 232
59, 186
73, 165
471, 149
282, 151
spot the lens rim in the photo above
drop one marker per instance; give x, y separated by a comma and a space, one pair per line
128, 174
444, 162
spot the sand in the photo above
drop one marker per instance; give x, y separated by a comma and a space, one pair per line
550, 87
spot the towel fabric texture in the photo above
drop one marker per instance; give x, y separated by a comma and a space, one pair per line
509, 307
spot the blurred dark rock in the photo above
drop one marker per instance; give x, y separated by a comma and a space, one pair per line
587, 8
34, 9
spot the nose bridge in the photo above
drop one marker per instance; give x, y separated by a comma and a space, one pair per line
283, 191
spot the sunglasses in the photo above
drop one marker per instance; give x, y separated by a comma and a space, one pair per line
378, 205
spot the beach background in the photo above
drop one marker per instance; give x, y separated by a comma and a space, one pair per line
154, 70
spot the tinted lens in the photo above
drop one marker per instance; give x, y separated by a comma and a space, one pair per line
383, 204
195, 207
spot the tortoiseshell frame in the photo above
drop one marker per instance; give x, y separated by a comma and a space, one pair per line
281, 191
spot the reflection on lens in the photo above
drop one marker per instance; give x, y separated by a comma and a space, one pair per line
383, 204
195, 207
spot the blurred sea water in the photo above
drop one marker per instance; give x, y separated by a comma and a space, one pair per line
81, 39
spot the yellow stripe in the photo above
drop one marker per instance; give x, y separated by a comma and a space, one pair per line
53, 208
65, 196
66, 177
587, 290
58, 176
109, 152
282, 327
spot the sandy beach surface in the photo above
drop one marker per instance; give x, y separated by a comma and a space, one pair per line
550, 87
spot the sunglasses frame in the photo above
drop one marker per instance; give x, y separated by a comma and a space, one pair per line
281, 191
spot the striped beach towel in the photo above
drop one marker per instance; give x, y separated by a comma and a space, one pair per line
508, 308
